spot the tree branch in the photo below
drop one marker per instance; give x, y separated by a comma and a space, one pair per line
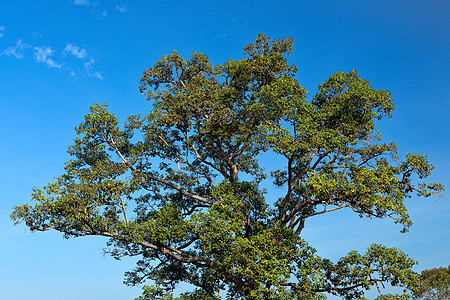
124, 211
160, 180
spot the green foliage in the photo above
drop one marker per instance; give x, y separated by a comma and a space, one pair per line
389, 297
180, 187
434, 284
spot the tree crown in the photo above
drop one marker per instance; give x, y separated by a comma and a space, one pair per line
181, 185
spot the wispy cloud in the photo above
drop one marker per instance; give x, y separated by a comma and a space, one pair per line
17, 51
2, 29
121, 8
57, 59
84, 3
97, 75
89, 66
42, 55
95, 7
88, 63
75, 51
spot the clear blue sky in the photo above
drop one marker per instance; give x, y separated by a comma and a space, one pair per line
59, 57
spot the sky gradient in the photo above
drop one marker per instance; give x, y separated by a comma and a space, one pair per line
59, 57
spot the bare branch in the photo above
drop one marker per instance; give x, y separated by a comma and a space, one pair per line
175, 187
160, 180
170, 251
124, 211
327, 210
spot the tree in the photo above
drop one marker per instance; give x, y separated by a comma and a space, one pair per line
181, 186
434, 284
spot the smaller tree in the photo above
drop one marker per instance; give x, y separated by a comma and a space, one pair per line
434, 284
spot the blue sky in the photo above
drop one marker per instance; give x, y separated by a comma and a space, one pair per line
59, 57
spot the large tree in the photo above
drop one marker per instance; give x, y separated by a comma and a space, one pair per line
181, 186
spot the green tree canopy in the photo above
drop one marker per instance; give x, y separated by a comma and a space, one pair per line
434, 284
181, 186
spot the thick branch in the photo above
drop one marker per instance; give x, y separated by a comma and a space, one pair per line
287, 198
291, 184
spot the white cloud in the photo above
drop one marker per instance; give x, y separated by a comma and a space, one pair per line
95, 7
45, 55
17, 50
75, 51
2, 28
87, 3
121, 8
89, 64
81, 2
100, 15
97, 75
42, 55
